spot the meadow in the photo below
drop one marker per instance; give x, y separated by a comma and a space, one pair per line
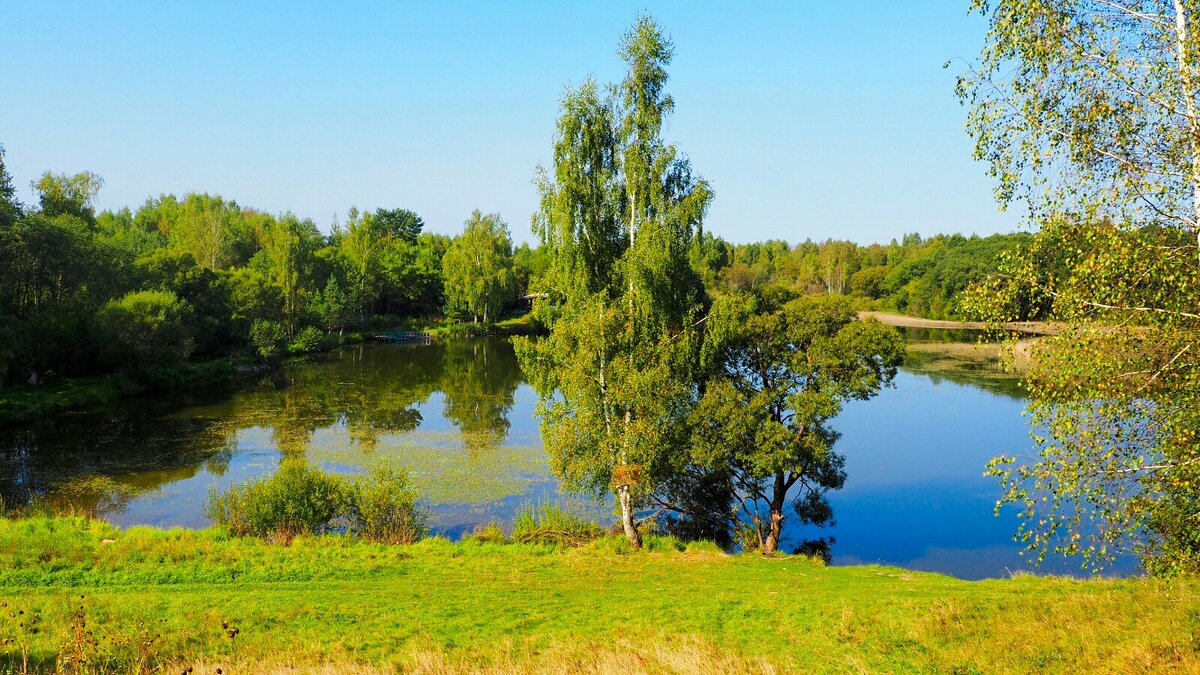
80, 595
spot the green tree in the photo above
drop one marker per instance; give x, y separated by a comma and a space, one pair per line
398, 224
147, 331
359, 250
579, 220
287, 257
619, 219
73, 195
1087, 109
478, 269
210, 228
781, 370
10, 207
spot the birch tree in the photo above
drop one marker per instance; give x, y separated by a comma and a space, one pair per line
619, 214
1086, 110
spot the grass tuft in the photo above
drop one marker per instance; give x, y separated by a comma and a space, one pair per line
552, 524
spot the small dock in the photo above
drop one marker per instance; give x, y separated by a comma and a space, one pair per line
402, 336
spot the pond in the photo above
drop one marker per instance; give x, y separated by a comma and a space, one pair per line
461, 418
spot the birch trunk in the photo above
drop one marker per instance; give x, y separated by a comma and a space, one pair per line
1189, 103
631, 531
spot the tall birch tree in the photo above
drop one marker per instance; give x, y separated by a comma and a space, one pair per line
619, 216
478, 269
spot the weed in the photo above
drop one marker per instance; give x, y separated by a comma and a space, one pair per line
552, 524
490, 532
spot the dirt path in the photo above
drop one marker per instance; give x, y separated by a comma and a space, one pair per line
1027, 327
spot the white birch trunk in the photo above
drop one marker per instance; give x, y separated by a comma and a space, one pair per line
1189, 103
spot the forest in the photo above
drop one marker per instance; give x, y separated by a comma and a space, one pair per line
180, 280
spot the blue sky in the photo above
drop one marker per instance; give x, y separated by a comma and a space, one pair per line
812, 120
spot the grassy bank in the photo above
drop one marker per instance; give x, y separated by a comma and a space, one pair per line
448, 329
25, 403
170, 599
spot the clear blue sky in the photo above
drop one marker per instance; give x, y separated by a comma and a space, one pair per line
810, 119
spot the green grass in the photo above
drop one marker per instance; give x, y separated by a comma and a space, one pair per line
159, 598
517, 324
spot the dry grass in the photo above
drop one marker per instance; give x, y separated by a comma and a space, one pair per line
686, 656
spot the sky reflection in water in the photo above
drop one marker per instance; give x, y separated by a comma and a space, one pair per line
460, 416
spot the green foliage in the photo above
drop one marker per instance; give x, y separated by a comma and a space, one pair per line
550, 523
1065, 125
307, 341
268, 338
10, 206
1112, 394
619, 217
333, 306
380, 506
612, 405
478, 269
383, 507
294, 500
781, 369
1109, 165
60, 194
147, 331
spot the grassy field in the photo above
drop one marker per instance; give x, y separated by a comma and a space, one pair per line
80, 593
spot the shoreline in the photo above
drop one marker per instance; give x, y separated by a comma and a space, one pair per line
1038, 328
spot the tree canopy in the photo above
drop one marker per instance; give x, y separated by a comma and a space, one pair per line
478, 269
779, 368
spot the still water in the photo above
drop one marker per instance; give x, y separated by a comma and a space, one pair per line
461, 418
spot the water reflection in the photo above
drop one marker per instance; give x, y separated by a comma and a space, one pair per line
460, 417
341, 412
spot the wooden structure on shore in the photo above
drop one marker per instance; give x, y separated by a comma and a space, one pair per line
403, 336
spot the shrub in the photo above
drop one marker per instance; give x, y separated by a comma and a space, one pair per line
487, 533
551, 524
146, 331
296, 500
463, 330
383, 507
307, 341
267, 337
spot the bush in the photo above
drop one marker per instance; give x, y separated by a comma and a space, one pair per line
551, 524
146, 332
308, 340
383, 507
380, 506
267, 337
296, 500
457, 331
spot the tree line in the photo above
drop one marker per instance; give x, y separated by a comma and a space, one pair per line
200, 276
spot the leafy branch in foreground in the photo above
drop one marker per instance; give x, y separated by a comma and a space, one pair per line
1087, 110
